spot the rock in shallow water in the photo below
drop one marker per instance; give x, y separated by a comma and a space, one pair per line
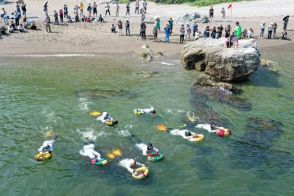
223, 64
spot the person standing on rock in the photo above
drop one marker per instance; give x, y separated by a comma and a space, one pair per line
211, 12
65, 11
24, 10
238, 30
145, 6
182, 34
89, 9
227, 31
223, 13
158, 24
262, 28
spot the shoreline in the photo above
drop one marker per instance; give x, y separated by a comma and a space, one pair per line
95, 38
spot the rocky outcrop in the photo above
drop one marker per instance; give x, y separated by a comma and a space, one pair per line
270, 65
222, 64
188, 17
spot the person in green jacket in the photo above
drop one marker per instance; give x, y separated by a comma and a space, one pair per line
238, 30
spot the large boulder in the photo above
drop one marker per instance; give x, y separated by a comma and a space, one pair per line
223, 64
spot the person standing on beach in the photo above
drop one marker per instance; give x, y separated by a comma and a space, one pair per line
61, 15
182, 34
128, 28
120, 27
128, 9
262, 28
171, 25
107, 9
56, 17
194, 28
285, 22
95, 9
81, 9
167, 33
270, 31
76, 12
155, 33
158, 24
223, 13
211, 12
24, 10
47, 24
188, 32
65, 11
137, 7
145, 6
17, 17
143, 30
89, 9
117, 9
275, 26
45, 7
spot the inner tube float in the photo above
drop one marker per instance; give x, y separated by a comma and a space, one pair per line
138, 112
156, 157
102, 162
140, 173
43, 156
111, 123
197, 138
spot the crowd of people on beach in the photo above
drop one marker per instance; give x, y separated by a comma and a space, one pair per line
18, 22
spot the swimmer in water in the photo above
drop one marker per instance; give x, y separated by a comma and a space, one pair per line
212, 128
130, 165
150, 110
88, 151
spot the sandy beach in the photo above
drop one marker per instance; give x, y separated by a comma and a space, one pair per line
95, 38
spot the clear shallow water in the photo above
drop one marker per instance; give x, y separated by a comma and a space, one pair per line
37, 93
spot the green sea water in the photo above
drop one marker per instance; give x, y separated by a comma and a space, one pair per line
42, 93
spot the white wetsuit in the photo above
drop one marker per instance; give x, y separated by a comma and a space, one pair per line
88, 151
182, 133
144, 148
146, 110
127, 163
207, 127
104, 117
47, 146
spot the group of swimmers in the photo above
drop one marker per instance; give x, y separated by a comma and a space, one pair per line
138, 170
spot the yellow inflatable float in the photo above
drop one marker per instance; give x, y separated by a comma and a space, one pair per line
140, 173
114, 153
197, 138
43, 156
95, 114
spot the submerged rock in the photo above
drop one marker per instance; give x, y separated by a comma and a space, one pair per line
104, 93
270, 65
223, 64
